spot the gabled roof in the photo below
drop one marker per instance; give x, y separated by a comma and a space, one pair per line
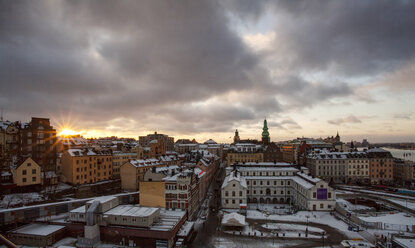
232, 177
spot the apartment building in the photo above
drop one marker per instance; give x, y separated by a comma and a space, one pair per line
182, 192
339, 167
357, 167
381, 166
132, 172
120, 158
39, 141
81, 166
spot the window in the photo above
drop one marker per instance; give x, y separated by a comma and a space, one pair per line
233, 201
240, 193
24, 179
33, 179
34, 171
226, 193
233, 193
226, 201
314, 194
23, 172
240, 201
321, 205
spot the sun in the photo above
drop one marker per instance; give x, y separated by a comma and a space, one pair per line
68, 132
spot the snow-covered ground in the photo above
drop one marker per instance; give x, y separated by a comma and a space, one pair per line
313, 217
225, 242
13, 200
291, 227
271, 208
56, 188
352, 207
392, 218
408, 204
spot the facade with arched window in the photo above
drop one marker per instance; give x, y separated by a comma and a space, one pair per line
279, 183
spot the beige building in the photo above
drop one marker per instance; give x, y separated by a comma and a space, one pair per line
132, 172
329, 166
120, 158
26, 173
403, 170
81, 166
244, 153
152, 194
357, 167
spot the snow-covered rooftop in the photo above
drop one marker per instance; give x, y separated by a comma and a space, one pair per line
377, 149
88, 152
210, 141
145, 162
405, 242
38, 229
185, 229
233, 219
232, 177
131, 211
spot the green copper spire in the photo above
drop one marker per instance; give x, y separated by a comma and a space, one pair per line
265, 133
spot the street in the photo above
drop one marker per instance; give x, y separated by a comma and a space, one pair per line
206, 230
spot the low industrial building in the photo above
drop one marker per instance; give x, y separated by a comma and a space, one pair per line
38, 235
104, 219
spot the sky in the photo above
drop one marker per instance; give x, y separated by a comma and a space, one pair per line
201, 69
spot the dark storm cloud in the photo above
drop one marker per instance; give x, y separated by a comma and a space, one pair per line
356, 37
107, 56
182, 64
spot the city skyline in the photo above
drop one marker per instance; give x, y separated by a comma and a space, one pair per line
203, 69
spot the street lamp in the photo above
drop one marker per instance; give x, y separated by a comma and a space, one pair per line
266, 218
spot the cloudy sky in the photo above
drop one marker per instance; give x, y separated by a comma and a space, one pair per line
204, 68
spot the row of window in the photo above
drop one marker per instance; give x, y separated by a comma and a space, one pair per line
108, 159
84, 176
24, 172
273, 173
261, 182
80, 169
25, 180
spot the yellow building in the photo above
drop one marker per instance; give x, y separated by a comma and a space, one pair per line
120, 158
244, 157
80, 166
152, 194
244, 153
26, 173
132, 172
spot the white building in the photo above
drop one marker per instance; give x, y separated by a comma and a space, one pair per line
275, 183
234, 190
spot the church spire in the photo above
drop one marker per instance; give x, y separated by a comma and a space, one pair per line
265, 133
236, 138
